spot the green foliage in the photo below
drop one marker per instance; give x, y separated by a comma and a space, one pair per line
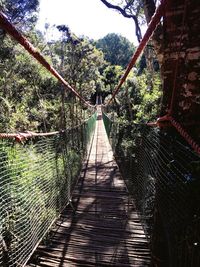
23, 87
31, 99
117, 49
138, 101
111, 76
21, 12
150, 96
80, 62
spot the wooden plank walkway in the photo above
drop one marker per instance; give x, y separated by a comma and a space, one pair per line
104, 229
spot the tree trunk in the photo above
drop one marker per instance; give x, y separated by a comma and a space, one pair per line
181, 67
181, 100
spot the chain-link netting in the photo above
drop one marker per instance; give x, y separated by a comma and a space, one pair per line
36, 183
162, 174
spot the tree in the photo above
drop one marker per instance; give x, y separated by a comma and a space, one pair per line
137, 10
111, 76
23, 13
80, 62
140, 11
24, 88
116, 48
129, 9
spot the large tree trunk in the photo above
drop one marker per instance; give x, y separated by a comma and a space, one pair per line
181, 65
181, 100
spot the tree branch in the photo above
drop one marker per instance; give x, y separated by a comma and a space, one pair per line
126, 15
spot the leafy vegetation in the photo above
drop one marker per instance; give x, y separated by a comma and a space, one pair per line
116, 48
36, 181
31, 99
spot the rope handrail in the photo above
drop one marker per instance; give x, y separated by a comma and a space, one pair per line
26, 135
12, 31
185, 134
150, 30
21, 136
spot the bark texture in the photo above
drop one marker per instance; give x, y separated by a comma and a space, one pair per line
181, 63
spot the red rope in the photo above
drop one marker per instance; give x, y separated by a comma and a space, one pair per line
7, 136
11, 30
168, 120
151, 28
185, 134
19, 137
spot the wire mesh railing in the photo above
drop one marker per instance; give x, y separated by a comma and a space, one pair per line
162, 174
36, 183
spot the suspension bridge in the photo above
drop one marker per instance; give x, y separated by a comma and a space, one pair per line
101, 227
64, 201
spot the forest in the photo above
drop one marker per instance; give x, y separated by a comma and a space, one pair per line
152, 124
32, 100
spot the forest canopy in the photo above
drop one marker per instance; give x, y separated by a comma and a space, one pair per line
31, 99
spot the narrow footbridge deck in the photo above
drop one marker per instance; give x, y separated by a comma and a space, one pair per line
102, 228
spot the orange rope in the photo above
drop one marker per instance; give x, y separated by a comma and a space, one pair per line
185, 134
11, 30
19, 137
167, 121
